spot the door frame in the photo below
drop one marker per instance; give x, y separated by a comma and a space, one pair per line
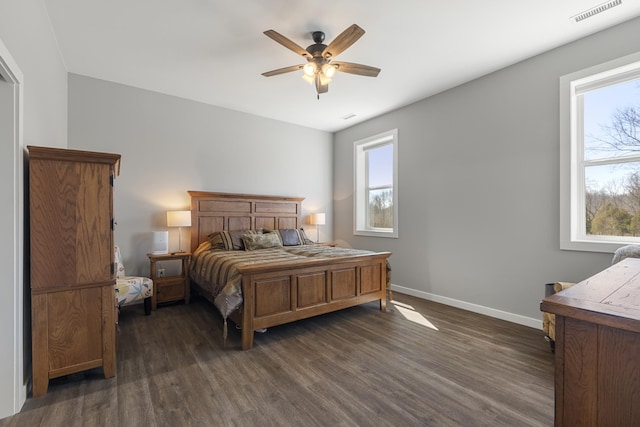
12, 74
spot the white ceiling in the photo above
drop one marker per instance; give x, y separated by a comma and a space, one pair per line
214, 51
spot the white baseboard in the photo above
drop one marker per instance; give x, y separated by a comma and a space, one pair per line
492, 312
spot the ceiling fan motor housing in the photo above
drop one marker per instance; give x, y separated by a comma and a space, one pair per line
316, 49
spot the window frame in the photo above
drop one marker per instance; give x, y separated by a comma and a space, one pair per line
572, 163
361, 188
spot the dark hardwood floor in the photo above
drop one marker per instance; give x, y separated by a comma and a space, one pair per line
419, 364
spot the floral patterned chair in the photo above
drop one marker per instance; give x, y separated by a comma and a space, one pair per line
131, 289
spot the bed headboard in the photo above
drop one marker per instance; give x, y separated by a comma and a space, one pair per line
227, 211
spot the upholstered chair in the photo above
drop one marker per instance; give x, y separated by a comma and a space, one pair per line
549, 320
132, 289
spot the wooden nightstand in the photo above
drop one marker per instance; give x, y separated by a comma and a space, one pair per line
172, 288
333, 245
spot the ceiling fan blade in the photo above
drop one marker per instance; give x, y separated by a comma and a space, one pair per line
359, 69
287, 43
343, 41
283, 70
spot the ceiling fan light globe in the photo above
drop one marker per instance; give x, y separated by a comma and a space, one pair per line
329, 70
309, 69
308, 79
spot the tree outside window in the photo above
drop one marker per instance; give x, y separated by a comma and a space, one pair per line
612, 159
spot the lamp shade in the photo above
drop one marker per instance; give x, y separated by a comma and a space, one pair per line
317, 218
179, 219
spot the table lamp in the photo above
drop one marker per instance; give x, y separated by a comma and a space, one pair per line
317, 219
179, 219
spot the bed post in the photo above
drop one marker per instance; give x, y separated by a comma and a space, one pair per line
247, 312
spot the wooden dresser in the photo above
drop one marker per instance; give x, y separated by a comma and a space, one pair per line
71, 262
597, 353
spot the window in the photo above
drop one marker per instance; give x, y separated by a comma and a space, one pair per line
600, 156
376, 184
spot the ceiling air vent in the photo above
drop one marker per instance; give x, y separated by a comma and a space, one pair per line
596, 10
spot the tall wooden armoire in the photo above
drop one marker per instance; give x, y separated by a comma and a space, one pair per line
71, 262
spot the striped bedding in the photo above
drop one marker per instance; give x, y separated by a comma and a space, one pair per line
215, 271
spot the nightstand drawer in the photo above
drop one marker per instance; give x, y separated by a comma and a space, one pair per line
169, 289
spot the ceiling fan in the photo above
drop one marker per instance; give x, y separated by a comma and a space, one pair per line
320, 67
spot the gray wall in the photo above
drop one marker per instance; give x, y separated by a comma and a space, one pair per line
479, 185
30, 48
171, 145
26, 31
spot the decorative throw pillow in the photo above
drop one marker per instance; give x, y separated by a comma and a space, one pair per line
290, 237
261, 241
304, 238
233, 239
216, 241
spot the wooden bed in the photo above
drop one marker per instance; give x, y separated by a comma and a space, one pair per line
283, 292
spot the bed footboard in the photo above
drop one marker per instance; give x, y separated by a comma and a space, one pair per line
279, 293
